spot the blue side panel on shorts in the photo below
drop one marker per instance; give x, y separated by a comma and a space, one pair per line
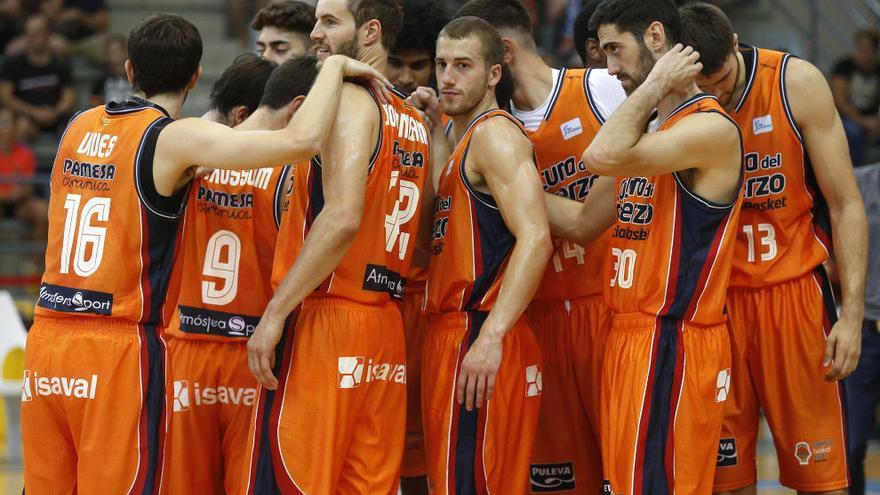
467, 446
155, 406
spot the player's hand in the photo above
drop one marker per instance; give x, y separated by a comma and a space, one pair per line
261, 350
675, 70
476, 382
360, 70
425, 99
843, 348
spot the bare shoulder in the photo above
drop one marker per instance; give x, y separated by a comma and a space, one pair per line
809, 95
712, 128
356, 100
491, 133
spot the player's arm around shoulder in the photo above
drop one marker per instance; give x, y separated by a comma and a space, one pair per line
812, 106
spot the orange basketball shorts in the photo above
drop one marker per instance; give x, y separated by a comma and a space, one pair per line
92, 412
211, 396
336, 423
778, 335
486, 450
414, 327
664, 387
571, 334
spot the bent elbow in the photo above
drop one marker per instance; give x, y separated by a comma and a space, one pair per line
543, 243
599, 162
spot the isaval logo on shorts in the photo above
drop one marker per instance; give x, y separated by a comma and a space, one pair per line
552, 477
727, 454
355, 370
209, 396
534, 381
33, 385
722, 385
803, 453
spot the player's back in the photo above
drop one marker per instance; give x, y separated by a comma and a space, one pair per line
376, 264
672, 250
227, 250
785, 228
112, 237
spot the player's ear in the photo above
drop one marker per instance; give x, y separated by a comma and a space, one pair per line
372, 32
237, 115
495, 73
508, 50
655, 37
129, 72
195, 78
735, 41
595, 55
294, 106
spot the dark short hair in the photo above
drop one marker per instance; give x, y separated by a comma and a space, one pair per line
242, 83
389, 13
705, 28
868, 34
291, 79
165, 50
501, 14
581, 29
634, 16
422, 22
287, 15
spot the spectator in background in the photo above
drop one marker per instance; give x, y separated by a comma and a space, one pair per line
237, 93
17, 199
38, 83
411, 62
10, 14
855, 82
863, 386
77, 20
114, 86
284, 29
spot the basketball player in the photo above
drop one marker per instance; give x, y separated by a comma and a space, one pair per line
562, 110
586, 41
227, 250
790, 349
238, 91
284, 28
93, 417
411, 65
411, 62
332, 417
490, 245
678, 192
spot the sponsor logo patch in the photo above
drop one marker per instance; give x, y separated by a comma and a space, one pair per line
209, 396
69, 300
380, 279
353, 371
571, 128
534, 381
727, 454
762, 125
803, 453
722, 384
551, 477
33, 385
207, 322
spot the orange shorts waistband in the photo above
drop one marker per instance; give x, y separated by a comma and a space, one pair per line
85, 323
449, 321
555, 303
346, 304
641, 321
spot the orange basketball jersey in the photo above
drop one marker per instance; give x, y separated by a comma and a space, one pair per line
112, 238
375, 267
569, 126
785, 229
470, 243
671, 250
227, 248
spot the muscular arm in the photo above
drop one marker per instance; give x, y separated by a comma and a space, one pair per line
583, 222
345, 163
510, 174
196, 141
813, 109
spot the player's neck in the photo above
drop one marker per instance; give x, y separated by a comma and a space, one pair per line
461, 122
376, 57
674, 99
263, 119
534, 81
171, 102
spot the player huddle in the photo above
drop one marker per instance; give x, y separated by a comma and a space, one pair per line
521, 280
